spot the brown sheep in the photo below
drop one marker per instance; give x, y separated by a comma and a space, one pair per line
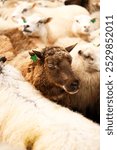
90, 5
52, 73
6, 48
20, 41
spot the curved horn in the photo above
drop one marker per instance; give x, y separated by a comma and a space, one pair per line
69, 48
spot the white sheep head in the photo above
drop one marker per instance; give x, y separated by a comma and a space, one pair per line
86, 57
35, 25
81, 25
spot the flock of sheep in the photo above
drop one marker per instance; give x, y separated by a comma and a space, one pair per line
49, 75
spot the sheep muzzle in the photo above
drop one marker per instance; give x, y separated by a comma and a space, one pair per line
71, 87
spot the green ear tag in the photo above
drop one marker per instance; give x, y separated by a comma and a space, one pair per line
24, 20
34, 58
93, 20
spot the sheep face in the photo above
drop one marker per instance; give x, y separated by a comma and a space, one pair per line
57, 69
88, 58
34, 26
81, 25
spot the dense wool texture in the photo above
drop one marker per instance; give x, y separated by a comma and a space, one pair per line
86, 66
6, 48
55, 26
28, 120
90, 5
21, 42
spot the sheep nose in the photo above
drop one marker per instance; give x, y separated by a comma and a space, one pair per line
74, 85
86, 28
26, 26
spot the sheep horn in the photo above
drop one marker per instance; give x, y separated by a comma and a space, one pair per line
39, 54
69, 48
3, 59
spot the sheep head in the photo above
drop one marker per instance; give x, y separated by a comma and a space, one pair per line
81, 25
86, 58
35, 26
56, 63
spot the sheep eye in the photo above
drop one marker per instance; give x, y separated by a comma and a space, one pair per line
24, 10
80, 52
77, 21
51, 66
27, 26
89, 57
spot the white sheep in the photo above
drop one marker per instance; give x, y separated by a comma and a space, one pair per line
89, 55
35, 26
28, 120
81, 25
62, 16
86, 66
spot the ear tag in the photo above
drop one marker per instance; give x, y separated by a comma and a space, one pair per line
34, 58
93, 20
24, 20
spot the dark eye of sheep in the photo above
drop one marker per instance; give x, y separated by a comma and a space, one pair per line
80, 52
89, 57
24, 10
51, 66
77, 21
27, 26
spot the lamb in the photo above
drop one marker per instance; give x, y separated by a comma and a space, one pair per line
6, 48
30, 121
35, 26
55, 27
80, 27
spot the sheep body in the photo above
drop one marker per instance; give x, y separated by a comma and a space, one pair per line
61, 17
28, 120
21, 42
90, 5
86, 66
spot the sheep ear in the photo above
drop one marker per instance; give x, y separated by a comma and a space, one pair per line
3, 59
38, 54
69, 48
47, 20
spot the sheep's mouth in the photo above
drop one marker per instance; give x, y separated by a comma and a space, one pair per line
73, 91
27, 30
